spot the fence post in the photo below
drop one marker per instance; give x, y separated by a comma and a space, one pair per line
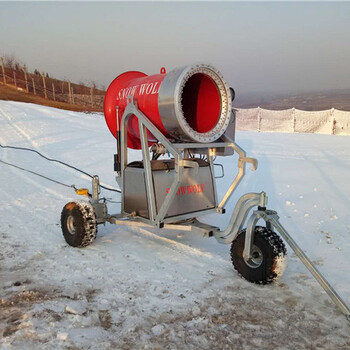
33, 86
53, 92
259, 119
73, 96
69, 92
44, 83
14, 78
25, 77
294, 120
92, 96
334, 122
3, 70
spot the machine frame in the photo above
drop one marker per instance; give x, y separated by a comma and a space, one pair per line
182, 222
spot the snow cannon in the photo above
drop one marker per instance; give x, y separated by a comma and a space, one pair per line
181, 121
191, 103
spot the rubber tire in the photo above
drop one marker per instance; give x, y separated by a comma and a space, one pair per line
85, 225
273, 253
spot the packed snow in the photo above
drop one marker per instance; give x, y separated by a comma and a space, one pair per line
138, 288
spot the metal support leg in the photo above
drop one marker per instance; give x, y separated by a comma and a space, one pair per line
249, 236
100, 208
148, 173
239, 216
95, 188
273, 219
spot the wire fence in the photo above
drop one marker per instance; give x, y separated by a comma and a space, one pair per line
332, 121
52, 89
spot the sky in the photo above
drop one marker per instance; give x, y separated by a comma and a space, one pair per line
258, 46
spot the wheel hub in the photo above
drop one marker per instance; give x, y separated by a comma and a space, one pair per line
71, 225
256, 258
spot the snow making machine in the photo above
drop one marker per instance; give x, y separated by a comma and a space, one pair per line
181, 121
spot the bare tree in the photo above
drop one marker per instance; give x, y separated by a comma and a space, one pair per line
93, 84
10, 61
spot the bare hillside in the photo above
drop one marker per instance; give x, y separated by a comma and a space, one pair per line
10, 93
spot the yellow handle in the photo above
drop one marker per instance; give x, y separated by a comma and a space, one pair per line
82, 191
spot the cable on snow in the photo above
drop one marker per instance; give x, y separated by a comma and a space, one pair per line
52, 160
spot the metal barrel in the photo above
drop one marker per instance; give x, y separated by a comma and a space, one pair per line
191, 103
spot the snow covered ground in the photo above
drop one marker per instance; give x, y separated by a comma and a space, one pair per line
138, 289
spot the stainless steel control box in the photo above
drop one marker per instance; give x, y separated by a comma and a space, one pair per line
195, 193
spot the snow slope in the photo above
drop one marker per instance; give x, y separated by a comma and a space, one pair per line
136, 288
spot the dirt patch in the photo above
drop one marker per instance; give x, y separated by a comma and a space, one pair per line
9, 330
49, 315
91, 294
24, 297
14, 319
227, 323
105, 319
13, 309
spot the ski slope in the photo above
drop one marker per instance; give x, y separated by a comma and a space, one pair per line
136, 288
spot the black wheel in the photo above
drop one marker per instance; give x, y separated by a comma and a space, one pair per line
78, 224
268, 256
